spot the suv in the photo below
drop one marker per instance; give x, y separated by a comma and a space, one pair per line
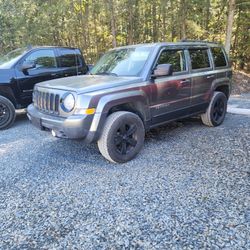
133, 89
21, 69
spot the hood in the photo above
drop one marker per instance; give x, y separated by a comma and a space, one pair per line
88, 83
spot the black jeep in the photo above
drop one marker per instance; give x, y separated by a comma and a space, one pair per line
22, 68
132, 89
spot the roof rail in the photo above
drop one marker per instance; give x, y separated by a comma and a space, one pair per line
198, 41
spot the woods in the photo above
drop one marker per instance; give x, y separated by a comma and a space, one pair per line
95, 26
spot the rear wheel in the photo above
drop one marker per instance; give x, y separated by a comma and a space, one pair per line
122, 137
7, 113
216, 111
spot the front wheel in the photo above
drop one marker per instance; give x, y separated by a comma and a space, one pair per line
216, 111
122, 137
7, 113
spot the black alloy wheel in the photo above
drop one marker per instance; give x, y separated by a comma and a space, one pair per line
219, 110
7, 113
216, 110
4, 114
122, 137
125, 138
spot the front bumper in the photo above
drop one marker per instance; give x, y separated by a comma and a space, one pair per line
72, 127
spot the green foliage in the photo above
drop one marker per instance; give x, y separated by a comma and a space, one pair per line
94, 25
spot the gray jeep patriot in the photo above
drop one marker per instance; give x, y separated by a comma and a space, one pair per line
133, 89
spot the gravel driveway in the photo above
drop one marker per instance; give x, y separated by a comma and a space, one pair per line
188, 189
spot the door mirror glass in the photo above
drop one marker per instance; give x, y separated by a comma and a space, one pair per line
163, 70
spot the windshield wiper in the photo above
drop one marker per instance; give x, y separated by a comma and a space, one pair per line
106, 73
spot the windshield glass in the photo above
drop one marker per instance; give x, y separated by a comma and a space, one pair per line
122, 62
9, 59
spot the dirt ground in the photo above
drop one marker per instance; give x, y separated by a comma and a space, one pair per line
241, 83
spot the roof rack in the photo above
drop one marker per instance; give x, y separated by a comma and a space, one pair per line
198, 41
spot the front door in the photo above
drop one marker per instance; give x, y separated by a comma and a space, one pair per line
45, 69
171, 94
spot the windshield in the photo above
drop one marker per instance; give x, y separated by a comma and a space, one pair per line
9, 59
122, 62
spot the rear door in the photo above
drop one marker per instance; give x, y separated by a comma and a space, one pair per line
171, 93
71, 62
202, 76
45, 69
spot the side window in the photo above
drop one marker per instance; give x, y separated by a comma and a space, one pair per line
219, 57
199, 58
68, 58
174, 57
44, 58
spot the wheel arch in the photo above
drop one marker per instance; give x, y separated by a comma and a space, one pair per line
222, 85
132, 101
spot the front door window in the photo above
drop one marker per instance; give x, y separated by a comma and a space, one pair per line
42, 59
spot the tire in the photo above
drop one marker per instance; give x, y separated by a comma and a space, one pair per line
7, 113
216, 111
122, 137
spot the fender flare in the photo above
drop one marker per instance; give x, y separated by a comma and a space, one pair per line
225, 81
109, 101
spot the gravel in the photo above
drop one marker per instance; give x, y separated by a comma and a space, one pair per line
241, 83
189, 188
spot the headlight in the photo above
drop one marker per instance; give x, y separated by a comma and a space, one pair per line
68, 102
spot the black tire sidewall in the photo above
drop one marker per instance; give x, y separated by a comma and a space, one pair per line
140, 134
11, 110
217, 96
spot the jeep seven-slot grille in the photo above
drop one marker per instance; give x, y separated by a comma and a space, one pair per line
46, 102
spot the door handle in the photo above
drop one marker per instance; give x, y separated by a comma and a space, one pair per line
208, 77
54, 74
184, 81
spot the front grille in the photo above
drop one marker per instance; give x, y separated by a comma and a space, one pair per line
46, 102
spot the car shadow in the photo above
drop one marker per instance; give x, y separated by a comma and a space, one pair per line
159, 132
21, 118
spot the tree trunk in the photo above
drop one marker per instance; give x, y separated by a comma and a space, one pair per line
229, 25
207, 14
172, 21
235, 43
113, 26
130, 25
155, 33
183, 12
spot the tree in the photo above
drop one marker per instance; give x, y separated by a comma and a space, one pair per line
229, 31
95, 26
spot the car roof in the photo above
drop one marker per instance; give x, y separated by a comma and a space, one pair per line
181, 43
30, 47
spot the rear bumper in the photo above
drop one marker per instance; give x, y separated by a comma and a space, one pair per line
72, 127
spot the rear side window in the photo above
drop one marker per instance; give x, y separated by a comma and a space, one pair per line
219, 57
68, 58
174, 57
199, 58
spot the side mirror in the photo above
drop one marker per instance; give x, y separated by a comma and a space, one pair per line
28, 65
163, 70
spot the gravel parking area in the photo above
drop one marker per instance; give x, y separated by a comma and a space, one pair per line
188, 189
